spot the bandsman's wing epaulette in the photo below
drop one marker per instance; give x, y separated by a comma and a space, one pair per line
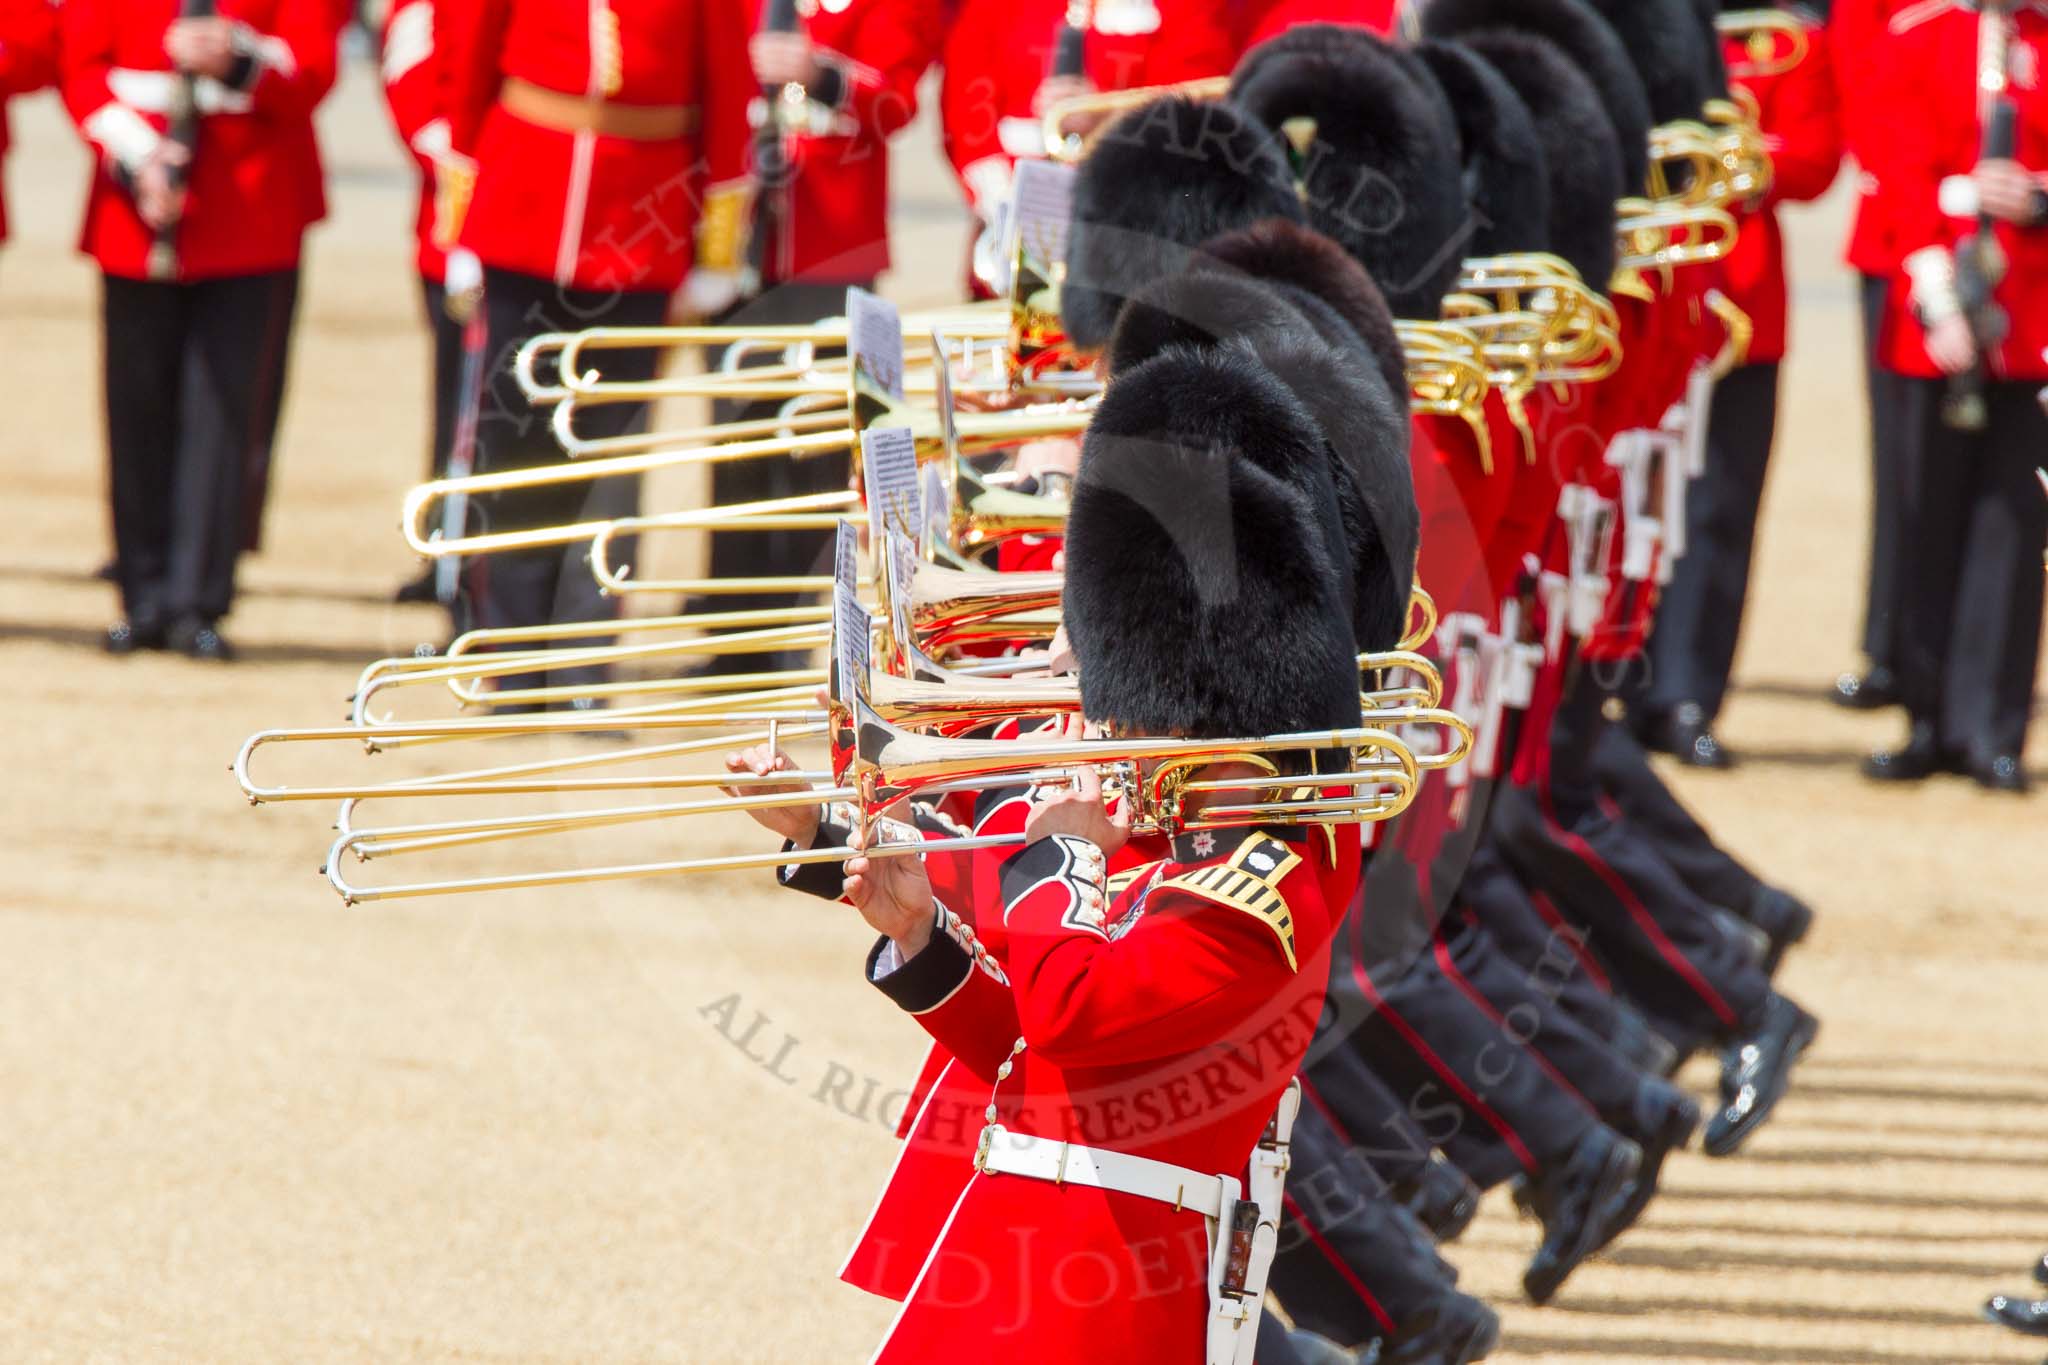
1249, 881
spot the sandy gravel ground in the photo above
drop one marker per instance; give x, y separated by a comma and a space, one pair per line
641, 1122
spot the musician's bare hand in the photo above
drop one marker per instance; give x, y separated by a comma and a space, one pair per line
158, 199
798, 824
1078, 809
1951, 345
782, 59
1054, 455
204, 47
893, 895
2007, 190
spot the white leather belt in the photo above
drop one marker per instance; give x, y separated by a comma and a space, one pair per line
1002, 1152
1233, 1321
149, 92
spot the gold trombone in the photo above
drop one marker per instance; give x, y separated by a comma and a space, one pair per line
1072, 126
885, 763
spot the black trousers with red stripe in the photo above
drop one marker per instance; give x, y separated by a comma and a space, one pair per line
1525, 1003
1474, 1088
1365, 1113
1660, 941
1626, 777
1351, 1264
1534, 935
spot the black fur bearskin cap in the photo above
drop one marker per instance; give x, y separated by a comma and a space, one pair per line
1373, 174
1316, 275
1202, 596
1507, 184
1336, 40
1578, 141
1705, 12
1663, 39
1591, 44
1162, 178
1363, 422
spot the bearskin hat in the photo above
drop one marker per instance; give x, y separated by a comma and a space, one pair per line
1203, 596
1664, 41
1363, 422
1715, 70
1592, 46
1317, 276
1336, 40
1507, 186
1578, 141
1372, 175
1162, 178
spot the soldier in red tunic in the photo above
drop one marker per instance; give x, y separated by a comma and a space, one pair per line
412, 92
1132, 1043
208, 177
1856, 34
1968, 322
28, 59
1699, 616
1000, 77
608, 143
835, 88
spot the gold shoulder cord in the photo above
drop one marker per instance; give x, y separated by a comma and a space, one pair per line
1250, 881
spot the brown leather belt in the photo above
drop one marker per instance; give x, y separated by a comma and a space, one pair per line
563, 113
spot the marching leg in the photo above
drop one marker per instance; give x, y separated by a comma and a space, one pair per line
1892, 431
143, 328
1699, 618
1946, 470
232, 373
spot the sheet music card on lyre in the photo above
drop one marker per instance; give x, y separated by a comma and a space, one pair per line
874, 352
889, 475
849, 644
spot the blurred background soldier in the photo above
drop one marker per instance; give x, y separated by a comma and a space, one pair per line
1856, 34
609, 153
1969, 323
836, 80
1699, 618
412, 92
28, 61
1008, 61
208, 177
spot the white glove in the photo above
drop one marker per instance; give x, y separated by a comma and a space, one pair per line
707, 293
464, 275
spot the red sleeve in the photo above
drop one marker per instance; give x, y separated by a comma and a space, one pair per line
28, 45
957, 993
411, 87
295, 65
1803, 126
468, 36
895, 43
85, 56
728, 87
1191, 971
972, 93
